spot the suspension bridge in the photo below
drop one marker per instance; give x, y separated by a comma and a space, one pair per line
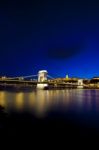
41, 80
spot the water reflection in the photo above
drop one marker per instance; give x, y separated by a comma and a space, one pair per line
19, 100
41, 102
31, 100
3, 101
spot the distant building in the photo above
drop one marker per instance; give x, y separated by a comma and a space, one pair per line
95, 80
67, 76
67, 79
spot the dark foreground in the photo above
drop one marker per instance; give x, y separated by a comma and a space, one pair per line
27, 126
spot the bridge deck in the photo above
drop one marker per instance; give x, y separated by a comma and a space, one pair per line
28, 83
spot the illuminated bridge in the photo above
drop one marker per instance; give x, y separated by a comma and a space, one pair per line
40, 80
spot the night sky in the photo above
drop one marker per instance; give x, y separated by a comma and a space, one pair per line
59, 36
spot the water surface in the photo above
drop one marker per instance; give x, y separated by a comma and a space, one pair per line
67, 109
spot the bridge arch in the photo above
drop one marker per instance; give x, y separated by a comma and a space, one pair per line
42, 75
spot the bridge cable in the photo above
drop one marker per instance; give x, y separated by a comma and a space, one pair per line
24, 76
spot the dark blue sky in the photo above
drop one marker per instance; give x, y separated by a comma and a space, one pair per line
60, 36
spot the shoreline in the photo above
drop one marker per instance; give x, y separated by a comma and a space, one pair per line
20, 87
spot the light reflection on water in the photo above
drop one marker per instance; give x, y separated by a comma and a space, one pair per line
19, 100
41, 102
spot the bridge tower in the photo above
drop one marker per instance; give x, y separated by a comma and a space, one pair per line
80, 83
42, 77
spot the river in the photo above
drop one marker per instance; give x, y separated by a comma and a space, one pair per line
69, 110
